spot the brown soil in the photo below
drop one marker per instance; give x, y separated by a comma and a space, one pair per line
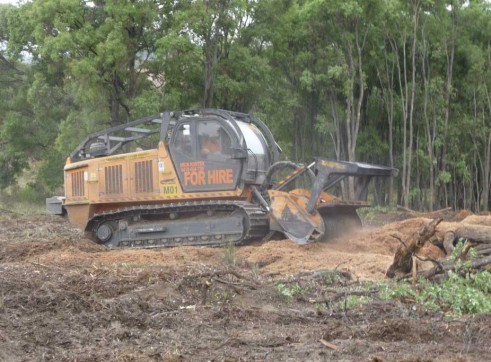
63, 297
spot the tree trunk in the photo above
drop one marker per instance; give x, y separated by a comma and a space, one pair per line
388, 96
403, 87
486, 169
353, 108
448, 93
211, 59
211, 54
336, 136
416, 8
114, 101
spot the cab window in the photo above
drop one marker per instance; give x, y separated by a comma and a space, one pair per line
182, 140
213, 139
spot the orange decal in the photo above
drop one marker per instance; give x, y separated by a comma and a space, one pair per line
212, 177
192, 166
194, 178
220, 176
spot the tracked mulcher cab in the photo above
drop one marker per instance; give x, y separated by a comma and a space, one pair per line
202, 177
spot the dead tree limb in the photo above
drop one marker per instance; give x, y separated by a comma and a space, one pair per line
449, 265
483, 250
402, 262
431, 215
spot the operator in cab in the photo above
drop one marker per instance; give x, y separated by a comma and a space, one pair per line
210, 145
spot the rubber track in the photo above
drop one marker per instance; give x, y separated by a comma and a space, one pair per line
257, 220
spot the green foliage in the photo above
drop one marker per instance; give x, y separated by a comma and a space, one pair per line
28, 199
290, 291
351, 301
372, 145
332, 277
371, 213
30, 194
223, 296
461, 292
397, 291
445, 177
456, 295
180, 60
50, 172
147, 103
457, 251
12, 163
242, 80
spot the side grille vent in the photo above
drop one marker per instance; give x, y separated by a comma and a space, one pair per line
143, 176
114, 179
78, 183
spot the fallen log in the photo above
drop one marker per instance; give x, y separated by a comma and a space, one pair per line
478, 263
430, 214
483, 250
405, 209
477, 233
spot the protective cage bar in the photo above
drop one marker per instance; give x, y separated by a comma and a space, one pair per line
114, 142
114, 138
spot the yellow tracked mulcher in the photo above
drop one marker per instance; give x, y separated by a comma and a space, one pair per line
202, 177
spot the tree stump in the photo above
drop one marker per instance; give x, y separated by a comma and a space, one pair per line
403, 258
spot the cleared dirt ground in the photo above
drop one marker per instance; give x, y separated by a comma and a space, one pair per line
64, 298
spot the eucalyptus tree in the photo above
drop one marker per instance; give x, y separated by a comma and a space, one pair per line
90, 66
209, 36
102, 48
341, 33
12, 94
471, 131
